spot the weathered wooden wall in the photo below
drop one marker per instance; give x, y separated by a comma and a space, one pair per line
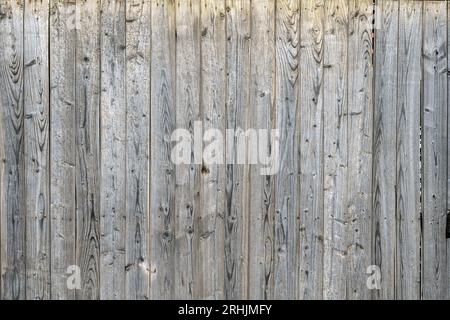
91, 91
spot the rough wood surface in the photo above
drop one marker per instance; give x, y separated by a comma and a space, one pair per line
213, 178
162, 183
187, 206
335, 148
138, 39
311, 279
261, 202
384, 226
13, 209
37, 148
434, 108
113, 215
237, 189
87, 106
62, 146
360, 135
448, 152
93, 204
409, 227
287, 49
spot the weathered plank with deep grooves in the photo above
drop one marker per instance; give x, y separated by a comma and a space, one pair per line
213, 178
13, 210
99, 199
360, 134
162, 182
87, 104
286, 167
335, 148
384, 227
261, 197
237, 189
187, 206
62, 147
408, 224
310, 278
138, 38
113, 150
434, 108
37, 156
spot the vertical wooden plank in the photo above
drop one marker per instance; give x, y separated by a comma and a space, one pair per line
409, 230
360, 132
113, 150
286, 88
2, 201
237, 189
162, 192
335, 146
434, 256
187, 175
261, 197
88, 147
384, 223
138, 37
37, 160
448, 151
11, 104
62, 142
310, 241
213, 178
3, 236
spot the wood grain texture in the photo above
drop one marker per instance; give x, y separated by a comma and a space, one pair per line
37, 150
261, 202
93, 204
113, 150
162, 183
448, 151
187, 206
3, 217
434, 108
88, 147
360, 135
335, 147
286, 102
213, 178
238, 31
312, 283
62, 146
13, 228
409, 207
138, 39
384, 220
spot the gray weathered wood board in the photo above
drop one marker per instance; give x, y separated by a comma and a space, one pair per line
63, 171
310, 242
384, 147
261, 195
93, 205
335, 147
87, 135
37, 164
408, 137
162, 171
138, 68
434, 108
13, 210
